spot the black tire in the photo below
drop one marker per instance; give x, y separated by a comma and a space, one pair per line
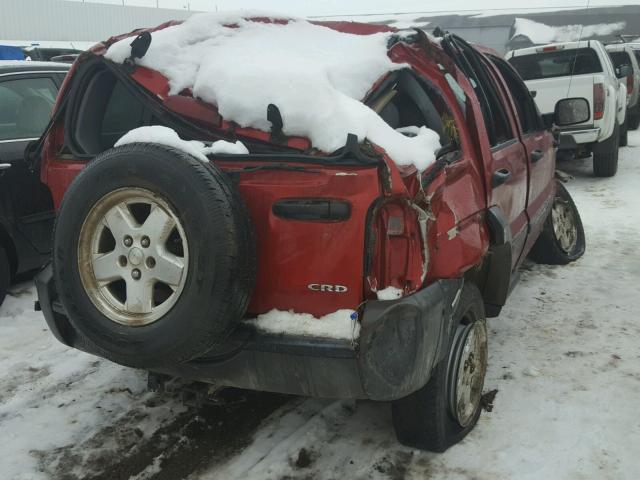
548, 248
605, 155
5, 273
425, 419
624, 134
633, 121
221, 262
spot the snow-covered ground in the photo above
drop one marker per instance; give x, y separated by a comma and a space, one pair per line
565, 359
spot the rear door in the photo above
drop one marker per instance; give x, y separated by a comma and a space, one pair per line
508, 170
26, 101
538, 144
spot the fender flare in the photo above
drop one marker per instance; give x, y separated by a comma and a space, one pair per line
497, 279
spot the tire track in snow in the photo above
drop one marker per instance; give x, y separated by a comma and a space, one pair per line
190, 441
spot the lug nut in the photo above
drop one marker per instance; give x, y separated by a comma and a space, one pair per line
128, 241
151, 262
122, 261
135, 274
145, 241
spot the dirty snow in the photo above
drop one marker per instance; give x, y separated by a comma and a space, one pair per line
315, 75
389, 293
540, 33
169, 137
564, 358
341, 324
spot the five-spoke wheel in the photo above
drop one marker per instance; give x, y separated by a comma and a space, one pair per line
133, 256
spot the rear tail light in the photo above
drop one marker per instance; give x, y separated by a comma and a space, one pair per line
629, 84
598, 101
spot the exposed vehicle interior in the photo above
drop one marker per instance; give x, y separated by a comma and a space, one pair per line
406, 103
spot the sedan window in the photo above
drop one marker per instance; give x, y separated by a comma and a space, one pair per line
25, 107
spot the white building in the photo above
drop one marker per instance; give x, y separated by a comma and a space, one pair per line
73, 24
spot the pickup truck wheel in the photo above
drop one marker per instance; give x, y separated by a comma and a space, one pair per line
153, 255
605, 155
445, 410
633, 120
624, 134
5, 273
562, 239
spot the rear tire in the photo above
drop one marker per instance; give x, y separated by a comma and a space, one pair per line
624, 140
154, 255
562, 239
438, 415
5, 273
633, 121
605, 155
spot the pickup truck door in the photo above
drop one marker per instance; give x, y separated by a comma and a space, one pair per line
538, 144
26, 100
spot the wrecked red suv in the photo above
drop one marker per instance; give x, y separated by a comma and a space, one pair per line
290, 269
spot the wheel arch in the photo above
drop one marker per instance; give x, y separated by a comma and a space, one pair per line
6, 241
493, 274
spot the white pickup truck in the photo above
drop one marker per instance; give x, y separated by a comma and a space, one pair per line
579, 69
623, 54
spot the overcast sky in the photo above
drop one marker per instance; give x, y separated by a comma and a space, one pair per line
354, 7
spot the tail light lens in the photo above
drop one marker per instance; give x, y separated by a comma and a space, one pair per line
629, 84
397, 256
598, 101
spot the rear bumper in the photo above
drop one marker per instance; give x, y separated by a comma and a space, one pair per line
400, 343
588, 135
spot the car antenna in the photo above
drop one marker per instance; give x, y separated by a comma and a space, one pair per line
275, 118
139, 47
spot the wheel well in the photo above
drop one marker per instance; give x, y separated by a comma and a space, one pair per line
493, 274
7, 243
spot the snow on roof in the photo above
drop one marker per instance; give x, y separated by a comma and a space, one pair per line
316, 76
31, 64
539, 33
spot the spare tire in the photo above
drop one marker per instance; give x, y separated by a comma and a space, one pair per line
154, 256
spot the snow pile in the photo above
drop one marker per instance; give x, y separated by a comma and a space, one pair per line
315, 75
342, 324
390, 293
540, 33
168, 137
54, 399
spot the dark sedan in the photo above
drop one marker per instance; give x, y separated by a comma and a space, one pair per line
27, 93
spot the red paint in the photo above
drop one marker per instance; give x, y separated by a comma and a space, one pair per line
195, 110
153, 81
380, 245
294, 254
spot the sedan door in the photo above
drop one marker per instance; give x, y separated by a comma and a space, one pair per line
26, 101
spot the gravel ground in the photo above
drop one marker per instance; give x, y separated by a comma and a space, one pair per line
564, 360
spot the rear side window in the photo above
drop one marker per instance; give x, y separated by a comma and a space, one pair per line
559, 63
620, 58
124, 112
528, 114
25, 107
494, 111
107, 110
